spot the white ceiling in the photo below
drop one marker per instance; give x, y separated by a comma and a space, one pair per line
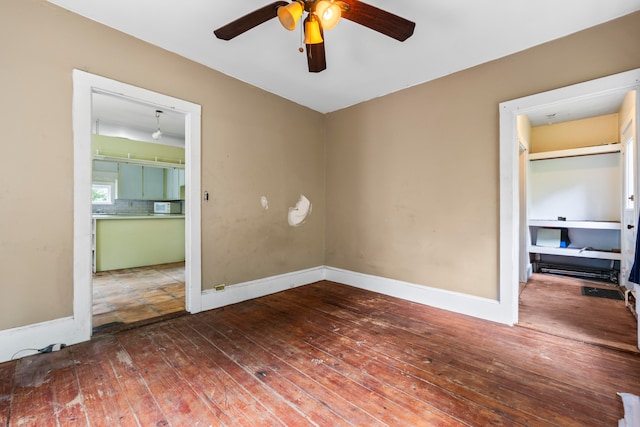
116, 116
608, 103
362, 64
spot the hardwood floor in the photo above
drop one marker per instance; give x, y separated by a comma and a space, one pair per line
321, 355
555, 305
134, 294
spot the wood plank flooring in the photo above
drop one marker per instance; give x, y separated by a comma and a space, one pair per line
321, 355
555, 305
134, 294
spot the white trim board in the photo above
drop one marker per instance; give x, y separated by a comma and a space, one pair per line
84, 86
483, 308
64, 330
470, 305
25, 340
258, 288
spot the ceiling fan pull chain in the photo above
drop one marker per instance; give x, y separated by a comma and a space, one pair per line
301, 49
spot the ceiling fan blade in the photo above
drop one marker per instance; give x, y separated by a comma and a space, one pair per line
315, 54
247, 22
379, 20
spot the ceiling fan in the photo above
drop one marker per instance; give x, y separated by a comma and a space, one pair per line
321, 15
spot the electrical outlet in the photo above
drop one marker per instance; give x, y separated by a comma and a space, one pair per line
219, 288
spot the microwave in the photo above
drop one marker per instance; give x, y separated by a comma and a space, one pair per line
167, 207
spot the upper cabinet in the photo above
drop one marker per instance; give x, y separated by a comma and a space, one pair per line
152, 183
137, 182
174, 184
129, 181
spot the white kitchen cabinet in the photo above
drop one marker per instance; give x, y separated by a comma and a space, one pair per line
138, 182
130, 181
174, 181
152, 183
181, 184
104, 172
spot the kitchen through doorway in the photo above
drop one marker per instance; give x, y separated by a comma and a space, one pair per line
138, 192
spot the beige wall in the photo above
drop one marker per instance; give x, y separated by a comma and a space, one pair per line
413, 177
249, 149
628, 108
575, 134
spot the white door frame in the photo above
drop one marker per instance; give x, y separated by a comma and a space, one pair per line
629, 215
84, 85
509, 148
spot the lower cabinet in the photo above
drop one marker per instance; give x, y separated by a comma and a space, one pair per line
127, 243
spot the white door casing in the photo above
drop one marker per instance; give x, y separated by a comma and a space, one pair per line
509, 169
84, 86
629, 202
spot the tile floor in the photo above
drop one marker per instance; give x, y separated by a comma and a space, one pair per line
133, 294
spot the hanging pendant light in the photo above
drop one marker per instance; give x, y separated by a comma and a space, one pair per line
157, 134
312, 33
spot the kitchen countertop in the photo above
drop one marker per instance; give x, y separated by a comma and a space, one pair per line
137, 216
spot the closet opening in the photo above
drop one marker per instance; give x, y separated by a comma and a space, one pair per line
589, 225
579, 174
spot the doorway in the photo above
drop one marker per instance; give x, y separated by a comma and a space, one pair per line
138, 167
86, 86
575, 167
512, 213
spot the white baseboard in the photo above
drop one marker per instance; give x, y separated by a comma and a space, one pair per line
470, 305
25, 340
67, 331
257, 288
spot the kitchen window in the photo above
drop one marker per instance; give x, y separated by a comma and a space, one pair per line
102, 193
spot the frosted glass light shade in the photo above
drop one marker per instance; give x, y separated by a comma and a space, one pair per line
290, 14
329, 14
312, 32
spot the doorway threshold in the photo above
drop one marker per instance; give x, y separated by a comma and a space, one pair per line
116, 327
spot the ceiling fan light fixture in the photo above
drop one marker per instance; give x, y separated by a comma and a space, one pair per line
290, 14
329, 13
312, 33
